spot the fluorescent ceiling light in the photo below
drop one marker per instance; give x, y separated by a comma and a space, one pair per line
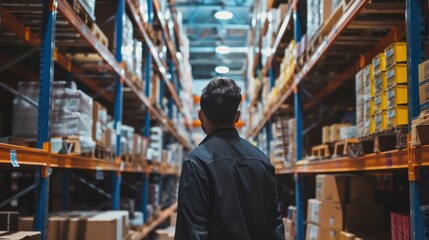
223, 49
222, 70
223, 15
162, 69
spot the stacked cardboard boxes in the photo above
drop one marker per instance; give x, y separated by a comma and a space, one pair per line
280, 142
99, 124
110, 225
290, 224
424, 86
380, 95
368, 100
397, 79
291, 153
344, 207
360, 99
325, 213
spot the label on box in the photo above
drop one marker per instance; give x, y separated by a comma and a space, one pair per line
391, 93
390, 52
390, 73
315, 212
376, 62
391, 114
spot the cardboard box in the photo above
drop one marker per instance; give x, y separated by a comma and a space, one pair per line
326, 134
20, 235
347, 236
290, 227
9, 221
331, 188
424, 95
290, 237
315, 232
325, 214
335, 131
423, 71
364, 219
361, 189
291, 213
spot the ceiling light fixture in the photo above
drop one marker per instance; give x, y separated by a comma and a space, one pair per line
222, 70
223, 49
224, 15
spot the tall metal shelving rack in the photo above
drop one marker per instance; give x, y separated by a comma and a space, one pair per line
412, 159
171, 75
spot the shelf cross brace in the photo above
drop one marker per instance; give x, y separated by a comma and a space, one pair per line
18, 195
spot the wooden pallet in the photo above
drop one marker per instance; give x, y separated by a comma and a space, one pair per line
25, 142
89, 20
321, 151
99, 35
387, 140
349, 147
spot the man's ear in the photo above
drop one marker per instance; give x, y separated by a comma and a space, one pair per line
200, 115
237, 116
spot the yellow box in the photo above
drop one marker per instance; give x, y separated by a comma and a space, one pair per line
368, 108
368, 73
396, 74
380, 102
424, 96
380, 83
379, 63
423, 71
397, 95
396, 53
380, 120
369, 126
397, 116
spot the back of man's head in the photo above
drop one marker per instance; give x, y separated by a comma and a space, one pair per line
220, 100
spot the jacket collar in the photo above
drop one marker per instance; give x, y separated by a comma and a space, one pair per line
221, 132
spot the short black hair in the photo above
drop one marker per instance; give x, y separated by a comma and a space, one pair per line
220, 100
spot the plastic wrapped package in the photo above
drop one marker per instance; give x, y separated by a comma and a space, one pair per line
127, 43
65, 124
138, 59
25, 115
72, 100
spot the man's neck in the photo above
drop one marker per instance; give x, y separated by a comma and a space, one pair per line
220, 127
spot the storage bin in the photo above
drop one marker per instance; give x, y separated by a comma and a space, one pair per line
396, 74
379, 63
396, 53
397, 95
397, 116
380, 83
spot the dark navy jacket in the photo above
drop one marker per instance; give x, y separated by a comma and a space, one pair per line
228, 191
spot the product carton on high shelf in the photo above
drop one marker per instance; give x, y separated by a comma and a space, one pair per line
347, 236
316, 232
99, 124
331, 188
329, 215
335, 131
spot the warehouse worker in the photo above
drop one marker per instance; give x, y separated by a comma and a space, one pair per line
227, 187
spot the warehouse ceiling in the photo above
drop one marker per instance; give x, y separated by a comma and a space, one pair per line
206, 32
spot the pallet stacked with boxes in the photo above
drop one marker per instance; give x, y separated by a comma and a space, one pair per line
344, 208
396, 84
368, 97
279, 144
420, 125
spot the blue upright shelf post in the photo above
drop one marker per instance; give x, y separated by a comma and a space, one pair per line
116, 177
299, 179
46, 78
146, 129
415, 28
